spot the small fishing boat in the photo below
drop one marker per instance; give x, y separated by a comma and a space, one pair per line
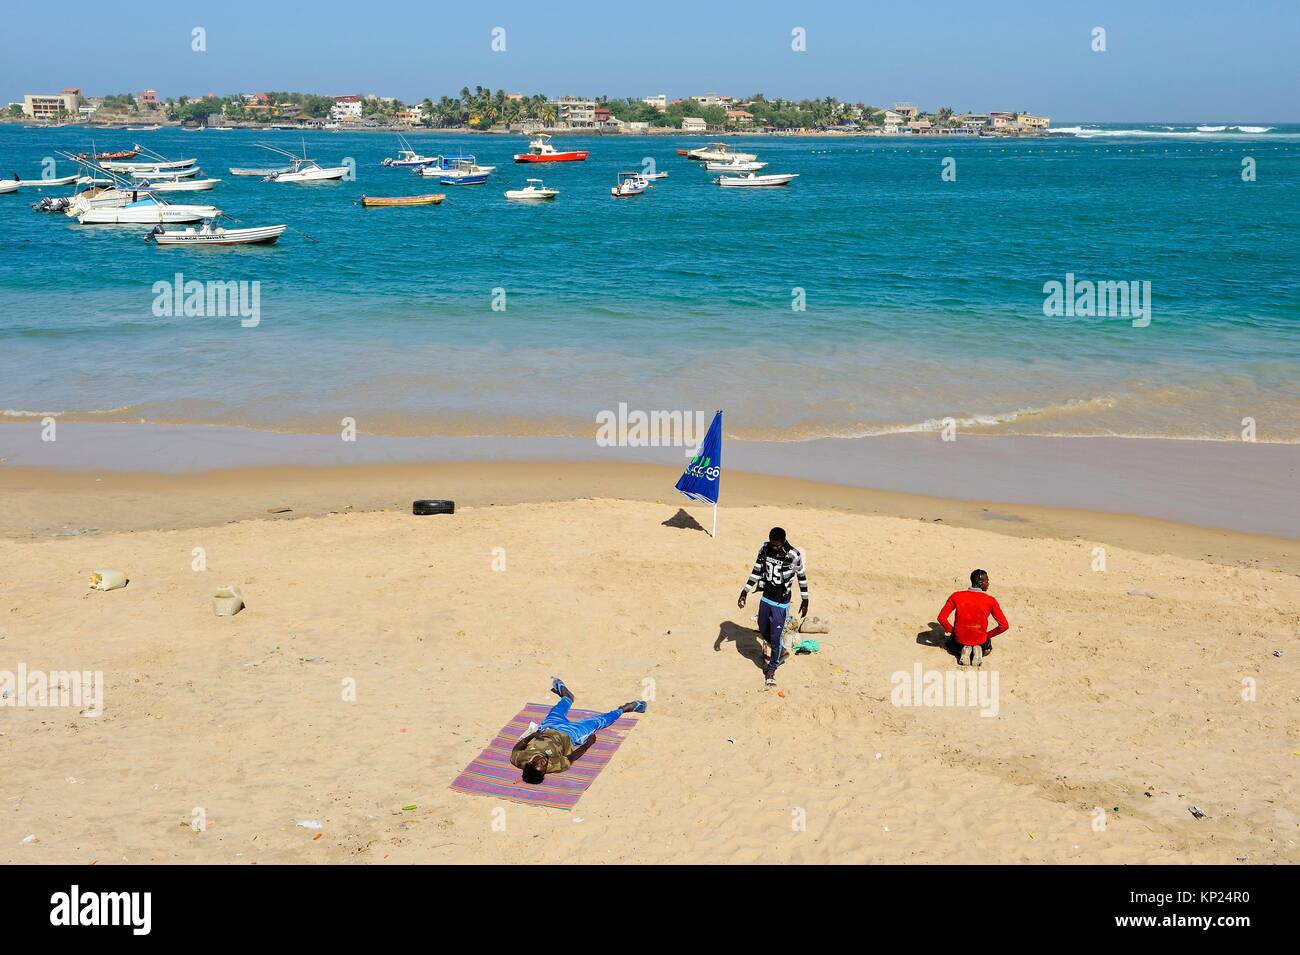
9, 185
407, 158
735, 165
182, 185
303, 169
158, 175
260, 173
757, 182
541, 150
683, 152
629, 184
463, 171
105, 157
654, 176
39, 183
208, 234
375, 202
719, 152
143, 129
535, 191
148, 211
156, 164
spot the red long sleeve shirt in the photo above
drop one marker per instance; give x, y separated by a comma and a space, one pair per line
973, 608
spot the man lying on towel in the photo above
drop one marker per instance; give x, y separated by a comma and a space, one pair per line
558, 741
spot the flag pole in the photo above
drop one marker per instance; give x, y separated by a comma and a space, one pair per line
714, 535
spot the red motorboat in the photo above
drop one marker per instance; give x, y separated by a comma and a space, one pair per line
541, 150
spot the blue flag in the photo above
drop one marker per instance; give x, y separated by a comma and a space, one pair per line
701, 479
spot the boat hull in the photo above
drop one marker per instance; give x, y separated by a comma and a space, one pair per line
155, 215
264, 235
380, 202
756, 182
576, 155
311, 175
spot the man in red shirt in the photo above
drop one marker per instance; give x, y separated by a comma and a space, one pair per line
973, 609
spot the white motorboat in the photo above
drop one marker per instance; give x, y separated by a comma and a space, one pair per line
209, 234
302, 169
93, 181
735, 165
260, 173
407, 158
757, 182
143, 129
654, 176
629, 184
535, 191
148, 211
9, 185
457, 171
719, 152
182, 185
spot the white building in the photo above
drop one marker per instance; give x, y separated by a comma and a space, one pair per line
659, 102
693, 124
713, 99
65, 103
346, 109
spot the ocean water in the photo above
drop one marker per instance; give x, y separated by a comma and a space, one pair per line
922, 298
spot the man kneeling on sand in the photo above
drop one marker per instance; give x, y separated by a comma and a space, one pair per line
973, 608
558, 741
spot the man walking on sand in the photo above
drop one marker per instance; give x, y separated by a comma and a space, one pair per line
973, 608
778, 563
559, 741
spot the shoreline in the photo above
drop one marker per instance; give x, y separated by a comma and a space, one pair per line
44, 505
1215, 486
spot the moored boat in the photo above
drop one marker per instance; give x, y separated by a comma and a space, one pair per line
148, 211
430, 199
735, 165
534, 191
261, 173
629, 184
303, 169
182, 185
104, 157
719, 152
209, 234
407, 158
756, 181
541, 150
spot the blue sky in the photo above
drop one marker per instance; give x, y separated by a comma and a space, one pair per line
1175, 61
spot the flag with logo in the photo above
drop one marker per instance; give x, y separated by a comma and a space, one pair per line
702, 478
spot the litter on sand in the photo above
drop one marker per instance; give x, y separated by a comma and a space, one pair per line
227, 602
107, 580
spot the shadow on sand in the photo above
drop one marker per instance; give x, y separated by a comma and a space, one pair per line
748, 643
684, 521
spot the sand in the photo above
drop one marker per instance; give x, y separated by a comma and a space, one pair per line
1119, 707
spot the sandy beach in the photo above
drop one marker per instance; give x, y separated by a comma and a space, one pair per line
1124, 696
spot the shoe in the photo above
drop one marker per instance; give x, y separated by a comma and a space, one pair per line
976, 656
559, 689
770, 681
638, 706
965, 656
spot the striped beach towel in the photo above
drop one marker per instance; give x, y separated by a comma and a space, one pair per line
491, 774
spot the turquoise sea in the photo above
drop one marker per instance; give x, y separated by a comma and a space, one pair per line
923, 295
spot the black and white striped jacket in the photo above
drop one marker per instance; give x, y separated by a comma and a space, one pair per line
775, 569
